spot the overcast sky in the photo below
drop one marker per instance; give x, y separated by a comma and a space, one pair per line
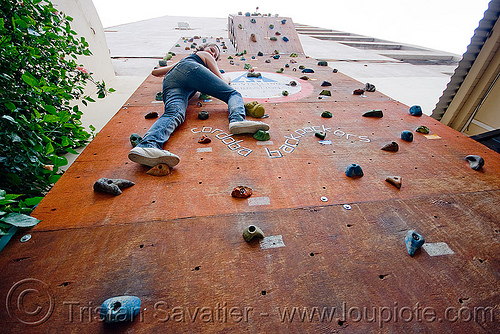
446, 25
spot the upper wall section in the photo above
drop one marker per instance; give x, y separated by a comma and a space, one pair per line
264, 34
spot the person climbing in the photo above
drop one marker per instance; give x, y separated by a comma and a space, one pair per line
196, 72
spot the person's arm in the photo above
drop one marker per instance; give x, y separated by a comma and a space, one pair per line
161, 71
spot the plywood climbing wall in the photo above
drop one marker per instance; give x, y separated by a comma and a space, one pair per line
334, 257
265, 34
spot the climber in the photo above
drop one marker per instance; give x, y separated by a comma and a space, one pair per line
196, 72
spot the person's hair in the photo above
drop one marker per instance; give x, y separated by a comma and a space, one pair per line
206, 45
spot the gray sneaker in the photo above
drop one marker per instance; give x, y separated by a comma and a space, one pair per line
150, 156
247, 127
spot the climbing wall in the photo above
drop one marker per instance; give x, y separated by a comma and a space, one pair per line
333, 257
264, 34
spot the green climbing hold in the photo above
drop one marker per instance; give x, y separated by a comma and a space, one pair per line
271, 26
293, 55
135, 139
254, 75
326, 114
320, 135
262, 135
322, 63
247, 66
422, 129
159, 96
204, 96
325, 92
203, 115
374, 113
273, 38
284, 93
280, 70
254, 109
252, 20
301, 67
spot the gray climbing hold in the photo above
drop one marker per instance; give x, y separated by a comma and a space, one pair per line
307, 70
251, 232
407, 135
112, 186
475, 161
374, 113
369, 87
120, 309
354, 170
326, 83
390, 147
413, 241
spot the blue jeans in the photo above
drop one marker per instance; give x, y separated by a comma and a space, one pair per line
179, 84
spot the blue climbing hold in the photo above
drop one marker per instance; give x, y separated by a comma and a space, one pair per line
354, 170
120, 309
283, 21
285, 39
415, 111
307, 70
407, 135
413, 241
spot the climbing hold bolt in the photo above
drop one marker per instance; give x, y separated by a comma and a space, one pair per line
251, 232
354, 170
413, 241
415, 111
475, 161
407, 135
112, 186
120, 309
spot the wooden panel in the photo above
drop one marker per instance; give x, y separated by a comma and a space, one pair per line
333, 258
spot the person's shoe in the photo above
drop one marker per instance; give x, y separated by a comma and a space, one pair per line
151, 157
247, 127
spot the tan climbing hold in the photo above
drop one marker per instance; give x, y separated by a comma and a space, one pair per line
159, 170
394, 180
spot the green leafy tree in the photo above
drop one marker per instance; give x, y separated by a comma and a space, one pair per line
40, 82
